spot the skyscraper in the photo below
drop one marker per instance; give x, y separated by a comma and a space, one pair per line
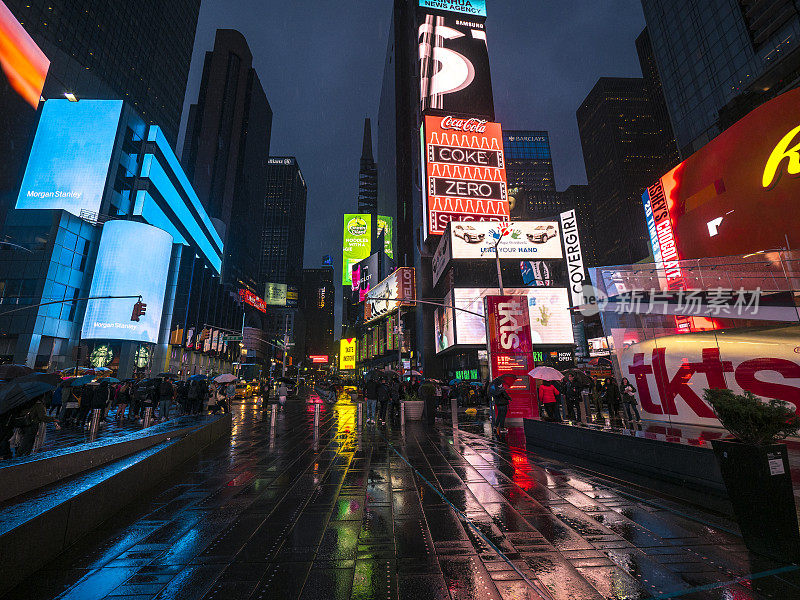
110, 50
318, 301
367, 176
113, 49
225, 152
718, 61
528, 160
624, 153
283, 237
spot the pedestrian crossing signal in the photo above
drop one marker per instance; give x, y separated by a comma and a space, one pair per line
139, 309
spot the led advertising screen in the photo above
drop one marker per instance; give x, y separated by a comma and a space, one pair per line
398, 289
250, 298
525, 240
444, 325
574, 255
275, 294
22, 61
737, 194
550, 319
69, 161
385, 225
347, 354
133, 259
365, 274
465, 177
292, 296
356, 240
454, 66
475, 8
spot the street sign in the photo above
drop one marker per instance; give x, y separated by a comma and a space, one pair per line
232, 338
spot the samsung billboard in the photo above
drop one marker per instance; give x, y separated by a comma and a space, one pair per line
475, 8
69, 161
133, 259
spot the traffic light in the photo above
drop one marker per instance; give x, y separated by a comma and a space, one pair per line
138, 310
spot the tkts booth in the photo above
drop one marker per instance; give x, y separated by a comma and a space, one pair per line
718, 308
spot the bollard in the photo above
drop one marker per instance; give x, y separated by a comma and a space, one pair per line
94, 424
148, 416
454, 411
273, 411
360, 416
402, 414
41, 434
316, 415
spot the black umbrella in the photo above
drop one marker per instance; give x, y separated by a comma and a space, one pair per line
582, 378
26, 389
13, 371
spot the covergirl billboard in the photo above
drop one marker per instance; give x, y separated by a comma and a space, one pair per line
670, 373
736, 195
465, 175
508, 332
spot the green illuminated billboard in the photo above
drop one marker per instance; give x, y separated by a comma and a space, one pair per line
385, 225
355, 243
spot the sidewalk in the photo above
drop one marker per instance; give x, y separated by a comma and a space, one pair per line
412, 514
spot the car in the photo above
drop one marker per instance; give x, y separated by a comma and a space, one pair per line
243, 389
542, 233
468, 233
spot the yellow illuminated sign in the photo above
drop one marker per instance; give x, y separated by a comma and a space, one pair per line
781, 151
347, 354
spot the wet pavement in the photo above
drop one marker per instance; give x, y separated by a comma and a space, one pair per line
407, 513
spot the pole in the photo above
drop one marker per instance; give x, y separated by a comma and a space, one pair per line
285, 343
400, 342
497, 262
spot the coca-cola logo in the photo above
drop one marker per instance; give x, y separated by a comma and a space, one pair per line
468, 125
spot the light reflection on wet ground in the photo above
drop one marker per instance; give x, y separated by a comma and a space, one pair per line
341, 515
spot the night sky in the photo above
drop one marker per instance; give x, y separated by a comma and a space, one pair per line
321, 65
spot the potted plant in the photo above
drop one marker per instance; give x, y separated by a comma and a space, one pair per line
755, 469
413, 406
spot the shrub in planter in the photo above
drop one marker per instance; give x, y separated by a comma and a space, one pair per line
413, 406
756, 470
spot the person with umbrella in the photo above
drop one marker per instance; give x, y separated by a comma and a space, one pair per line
500, 399
28, 420
548, 396
572, 394
283, 391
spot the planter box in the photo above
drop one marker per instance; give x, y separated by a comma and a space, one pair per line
414, 409
759, 486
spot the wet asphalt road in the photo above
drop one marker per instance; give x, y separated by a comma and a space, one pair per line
390, 513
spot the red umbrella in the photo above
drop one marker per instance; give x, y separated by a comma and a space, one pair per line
506, 379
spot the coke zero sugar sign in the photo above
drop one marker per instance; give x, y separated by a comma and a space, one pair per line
465, 175
508, 340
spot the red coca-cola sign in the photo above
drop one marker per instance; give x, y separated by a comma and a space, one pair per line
508, 337
468, 125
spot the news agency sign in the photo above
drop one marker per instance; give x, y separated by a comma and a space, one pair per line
574, 256
476, 8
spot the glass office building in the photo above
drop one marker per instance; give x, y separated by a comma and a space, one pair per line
104, 209
719, 60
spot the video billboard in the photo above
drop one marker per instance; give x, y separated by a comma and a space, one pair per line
465, 175
385, 225
347, 354
356, 243
69, 161
736, 195
133, 259
24, 64
275, 294
365, 274
549, 314
444, 325
454, 66
527, 240
574, 255
475, 8
398, 289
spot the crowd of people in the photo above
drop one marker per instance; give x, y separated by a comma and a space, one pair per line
125, 402
590, 395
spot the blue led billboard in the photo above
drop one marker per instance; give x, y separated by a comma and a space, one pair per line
70, 157
133, 259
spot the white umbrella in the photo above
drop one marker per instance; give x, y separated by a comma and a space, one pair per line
225, 378
546, 374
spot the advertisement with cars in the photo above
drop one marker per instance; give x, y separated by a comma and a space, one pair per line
527, 240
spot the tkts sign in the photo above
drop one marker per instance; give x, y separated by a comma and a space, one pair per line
508, 337
465, 172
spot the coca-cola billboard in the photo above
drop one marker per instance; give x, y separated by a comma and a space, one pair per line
465, 175
671, 373
508, 335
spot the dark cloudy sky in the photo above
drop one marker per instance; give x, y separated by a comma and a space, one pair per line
321, 65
